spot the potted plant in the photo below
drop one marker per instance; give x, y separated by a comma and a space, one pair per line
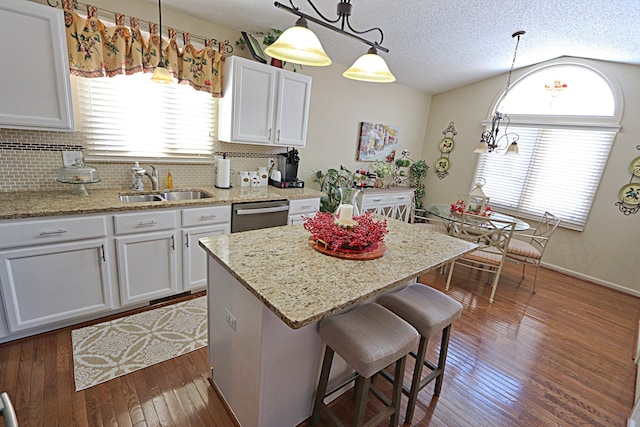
330, 183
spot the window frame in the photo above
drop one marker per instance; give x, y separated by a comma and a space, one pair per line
588, 123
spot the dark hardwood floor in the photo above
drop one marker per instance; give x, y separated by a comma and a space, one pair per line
561, 357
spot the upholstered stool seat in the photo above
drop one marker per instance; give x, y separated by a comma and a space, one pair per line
369, 338
429, 311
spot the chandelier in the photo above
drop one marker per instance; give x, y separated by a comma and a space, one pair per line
492, 141
300, 45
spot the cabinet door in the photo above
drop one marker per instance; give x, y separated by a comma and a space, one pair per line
194, 258
146, 266
253, 102
292, 109
402, 206
35, 96
46, 284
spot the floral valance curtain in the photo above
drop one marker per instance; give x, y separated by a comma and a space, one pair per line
96, 50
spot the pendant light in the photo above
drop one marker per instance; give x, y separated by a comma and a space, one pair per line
161, 74
370, 67
492, 141
300, 45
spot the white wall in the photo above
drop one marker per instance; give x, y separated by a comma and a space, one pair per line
606, 251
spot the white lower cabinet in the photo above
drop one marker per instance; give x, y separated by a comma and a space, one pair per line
147, 258
196, 224
394, 202
300, 208
63, 270
46, 284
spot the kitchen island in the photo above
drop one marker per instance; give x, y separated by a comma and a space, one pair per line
267, 289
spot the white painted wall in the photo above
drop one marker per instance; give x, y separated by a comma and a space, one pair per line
607, 250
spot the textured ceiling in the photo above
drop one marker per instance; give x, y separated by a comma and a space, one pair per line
437, 45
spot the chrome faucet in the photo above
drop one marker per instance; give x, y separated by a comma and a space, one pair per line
153, 176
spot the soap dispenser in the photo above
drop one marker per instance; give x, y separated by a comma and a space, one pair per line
136, 173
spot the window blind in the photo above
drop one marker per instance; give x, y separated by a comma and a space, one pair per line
558, 170
132, 118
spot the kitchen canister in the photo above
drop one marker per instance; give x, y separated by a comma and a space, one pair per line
263, 176
243, 179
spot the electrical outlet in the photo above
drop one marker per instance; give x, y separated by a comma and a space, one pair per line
70, 158
230, 319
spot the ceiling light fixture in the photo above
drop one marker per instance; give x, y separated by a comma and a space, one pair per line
300, 45
491, 141
161, 74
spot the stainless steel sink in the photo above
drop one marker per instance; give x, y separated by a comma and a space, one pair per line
184, 195
166, 196
131, 198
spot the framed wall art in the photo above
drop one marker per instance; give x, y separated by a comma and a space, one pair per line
377, 142
254, 47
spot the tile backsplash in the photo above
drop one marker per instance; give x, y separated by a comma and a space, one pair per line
29, 161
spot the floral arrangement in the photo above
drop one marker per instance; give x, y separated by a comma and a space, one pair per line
459, 207
382, 169
363, 236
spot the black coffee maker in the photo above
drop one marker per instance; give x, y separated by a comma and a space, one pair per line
288, 167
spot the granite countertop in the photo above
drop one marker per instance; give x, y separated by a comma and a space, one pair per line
302, 286
51, 203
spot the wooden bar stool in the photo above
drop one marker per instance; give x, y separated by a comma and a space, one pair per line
429, 311
369, 338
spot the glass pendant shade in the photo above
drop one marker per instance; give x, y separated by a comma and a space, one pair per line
370, 67
299, 45
512, 150
161, 74
481, 148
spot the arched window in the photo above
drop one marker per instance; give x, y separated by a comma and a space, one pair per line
567, 114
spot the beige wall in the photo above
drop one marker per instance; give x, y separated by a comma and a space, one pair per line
338, 105
606, 251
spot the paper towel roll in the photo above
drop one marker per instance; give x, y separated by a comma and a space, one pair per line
224, 172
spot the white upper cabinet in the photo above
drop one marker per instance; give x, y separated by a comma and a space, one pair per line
263, 105
35, 85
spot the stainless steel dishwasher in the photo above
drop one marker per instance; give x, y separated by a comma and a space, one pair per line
255, 215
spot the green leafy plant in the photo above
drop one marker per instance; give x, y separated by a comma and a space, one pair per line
419, 170
330, 183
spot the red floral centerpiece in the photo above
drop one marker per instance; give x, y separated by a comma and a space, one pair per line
459, 207
363, 236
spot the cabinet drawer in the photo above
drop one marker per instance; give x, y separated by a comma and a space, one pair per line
304, 206
41, 232
400, 198
146, 221
206, 216
374, 199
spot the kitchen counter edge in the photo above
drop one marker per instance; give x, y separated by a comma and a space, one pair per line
33, 204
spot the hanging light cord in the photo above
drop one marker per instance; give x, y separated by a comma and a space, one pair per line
160, 30
515, 53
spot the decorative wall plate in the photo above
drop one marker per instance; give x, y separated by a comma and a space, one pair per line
446, 145
635, 166
630, 194
442, 164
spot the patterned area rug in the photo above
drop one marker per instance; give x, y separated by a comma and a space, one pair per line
108, 350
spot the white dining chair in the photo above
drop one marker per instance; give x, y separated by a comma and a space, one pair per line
493, 236
529, 248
